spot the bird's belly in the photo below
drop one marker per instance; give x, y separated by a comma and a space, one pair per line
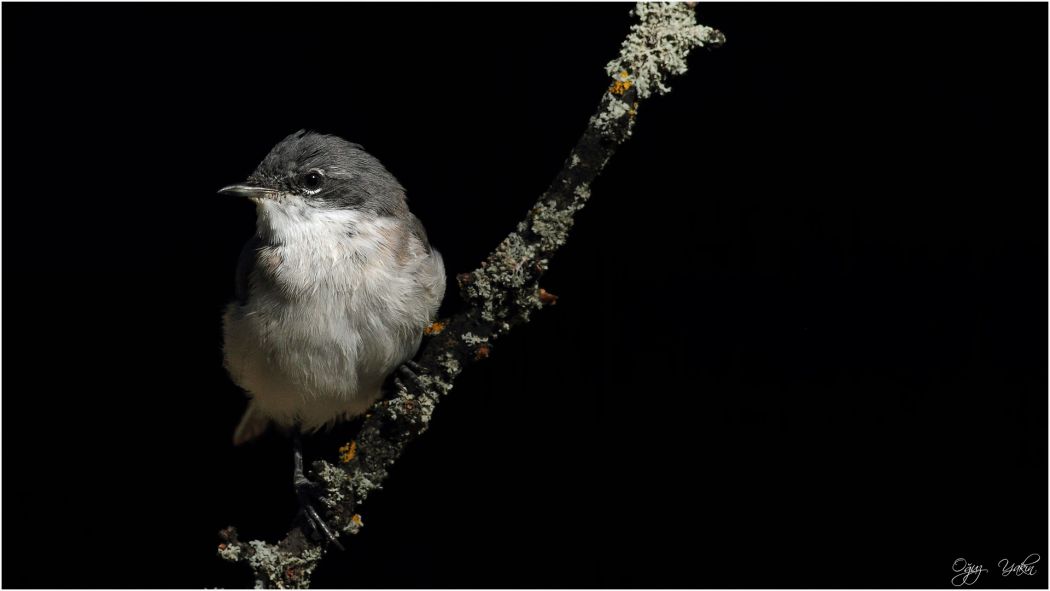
313, 361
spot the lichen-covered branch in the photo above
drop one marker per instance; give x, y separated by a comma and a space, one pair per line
501, 293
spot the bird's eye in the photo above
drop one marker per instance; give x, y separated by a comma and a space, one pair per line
312, 180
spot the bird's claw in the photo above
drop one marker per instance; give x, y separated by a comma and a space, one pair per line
408, 371
308, 491
306, 488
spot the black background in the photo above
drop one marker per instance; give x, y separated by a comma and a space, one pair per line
801, 335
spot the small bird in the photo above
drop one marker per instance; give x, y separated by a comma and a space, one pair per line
333, 292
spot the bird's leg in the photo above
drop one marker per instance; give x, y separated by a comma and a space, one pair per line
302, 483
307, 491
408, 370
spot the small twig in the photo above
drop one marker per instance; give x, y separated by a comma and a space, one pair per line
500, 294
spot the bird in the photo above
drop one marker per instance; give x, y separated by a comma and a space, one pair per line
333, 292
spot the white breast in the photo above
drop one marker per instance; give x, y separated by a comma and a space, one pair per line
335, 307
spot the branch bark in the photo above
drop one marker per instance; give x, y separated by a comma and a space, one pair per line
500, 294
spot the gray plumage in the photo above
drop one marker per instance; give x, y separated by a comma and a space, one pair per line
333, 291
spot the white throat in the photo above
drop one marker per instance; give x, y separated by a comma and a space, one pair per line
289, 220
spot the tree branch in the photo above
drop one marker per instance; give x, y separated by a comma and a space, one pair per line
501, 293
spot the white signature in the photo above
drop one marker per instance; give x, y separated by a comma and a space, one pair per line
1026, 567
968, 573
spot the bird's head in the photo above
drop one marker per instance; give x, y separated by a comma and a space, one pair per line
309, 176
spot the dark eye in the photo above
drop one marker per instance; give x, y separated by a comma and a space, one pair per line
312, 180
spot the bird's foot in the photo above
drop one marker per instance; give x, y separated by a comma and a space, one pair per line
308, 493
408, 370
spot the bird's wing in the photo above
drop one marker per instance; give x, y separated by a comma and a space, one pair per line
245, 265
432, 269
418, 232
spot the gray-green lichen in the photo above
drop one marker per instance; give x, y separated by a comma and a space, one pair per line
655, 49
509, 274
362, 485
281, 569
501, 274
609, 116
551, 223
473, 339
231, 552
658, 45
450, 366
336, 482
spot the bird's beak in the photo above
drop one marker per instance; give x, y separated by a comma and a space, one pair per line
248, 191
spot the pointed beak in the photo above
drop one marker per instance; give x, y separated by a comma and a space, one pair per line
248, 191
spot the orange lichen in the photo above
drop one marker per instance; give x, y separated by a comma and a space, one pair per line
357, 520
348, 452
222, 546
547, 297
622, 85
482, 352
435, 328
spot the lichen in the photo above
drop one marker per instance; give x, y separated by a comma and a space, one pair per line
608, 117
658, 45
336, 482
450, 364
231, 552
504, 287
473, 339
348, 452
426, 408
283, 570
655, 49
622, 85
362, 485
499, 274
551, 224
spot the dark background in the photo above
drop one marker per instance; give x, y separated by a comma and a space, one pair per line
801, 339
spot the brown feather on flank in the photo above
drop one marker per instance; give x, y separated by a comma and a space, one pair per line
269, 260
398, 240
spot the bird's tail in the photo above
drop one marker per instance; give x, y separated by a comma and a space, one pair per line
252, 425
